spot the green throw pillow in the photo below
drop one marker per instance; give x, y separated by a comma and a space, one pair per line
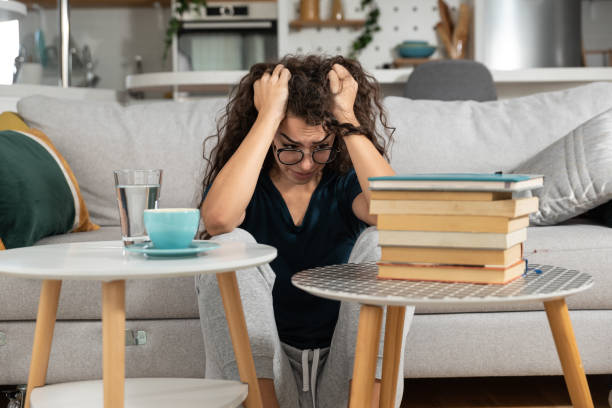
35, 199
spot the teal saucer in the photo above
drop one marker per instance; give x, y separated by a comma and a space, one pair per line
194, 248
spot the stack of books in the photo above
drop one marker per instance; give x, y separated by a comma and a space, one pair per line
452, 227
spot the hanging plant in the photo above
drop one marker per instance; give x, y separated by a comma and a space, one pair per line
370, 27
174, 24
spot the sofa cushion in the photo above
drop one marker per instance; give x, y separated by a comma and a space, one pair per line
172, 298
574, 245
97, 137
484, 137
173, 348
577, 170
577, 244
102, 234
39, 194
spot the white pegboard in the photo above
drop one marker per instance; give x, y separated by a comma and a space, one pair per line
399, 20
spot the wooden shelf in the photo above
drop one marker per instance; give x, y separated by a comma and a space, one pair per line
410, 62
299, 24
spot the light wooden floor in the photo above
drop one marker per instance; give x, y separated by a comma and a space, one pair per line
515, 392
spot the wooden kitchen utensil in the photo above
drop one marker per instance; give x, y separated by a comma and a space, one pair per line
445, 18
460, 35
451, 50
309, 10
337, 11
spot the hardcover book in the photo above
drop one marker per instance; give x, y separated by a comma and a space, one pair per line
455, 256
476, 240
499, 208
440, 195
451, 273
450, 223
458, 181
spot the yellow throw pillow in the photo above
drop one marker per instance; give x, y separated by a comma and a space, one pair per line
2, 248
12, 121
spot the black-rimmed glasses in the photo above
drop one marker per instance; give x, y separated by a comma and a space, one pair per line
290, 156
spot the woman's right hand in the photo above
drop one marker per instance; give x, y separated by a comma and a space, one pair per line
271, 92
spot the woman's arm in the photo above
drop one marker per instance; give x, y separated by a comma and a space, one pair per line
368, 162
230, 193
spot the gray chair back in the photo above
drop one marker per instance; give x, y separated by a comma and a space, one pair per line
451, 80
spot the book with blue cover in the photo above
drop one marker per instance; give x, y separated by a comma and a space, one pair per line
458, 182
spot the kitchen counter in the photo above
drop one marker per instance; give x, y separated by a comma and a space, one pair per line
509, 83
386, 76
10, 94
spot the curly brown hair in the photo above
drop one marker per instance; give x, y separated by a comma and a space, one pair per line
311, 100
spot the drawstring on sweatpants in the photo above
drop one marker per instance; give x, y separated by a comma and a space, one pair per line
309, 383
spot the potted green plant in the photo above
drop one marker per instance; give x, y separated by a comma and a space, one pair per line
370, 27
174, 24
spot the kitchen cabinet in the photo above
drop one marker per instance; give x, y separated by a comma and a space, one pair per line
509, 84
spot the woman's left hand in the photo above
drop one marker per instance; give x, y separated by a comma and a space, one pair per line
344, 88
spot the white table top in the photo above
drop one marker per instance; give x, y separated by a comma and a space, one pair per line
358, 283
106, 261
217, 80
145, 393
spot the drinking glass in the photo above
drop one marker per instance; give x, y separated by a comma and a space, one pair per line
137, 190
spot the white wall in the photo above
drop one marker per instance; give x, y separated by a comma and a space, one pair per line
114, 35
399, 20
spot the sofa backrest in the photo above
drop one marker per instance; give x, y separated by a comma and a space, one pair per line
98, 137
469, 136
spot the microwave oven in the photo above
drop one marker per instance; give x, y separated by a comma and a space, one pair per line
227, 36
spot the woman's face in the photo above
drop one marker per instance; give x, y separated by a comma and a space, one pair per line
294, 133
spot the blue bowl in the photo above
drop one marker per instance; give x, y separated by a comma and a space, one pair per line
172, 228
407, 50
413, 43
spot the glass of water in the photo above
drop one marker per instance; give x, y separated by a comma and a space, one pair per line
137, 190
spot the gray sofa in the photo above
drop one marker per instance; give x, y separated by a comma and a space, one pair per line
97, 137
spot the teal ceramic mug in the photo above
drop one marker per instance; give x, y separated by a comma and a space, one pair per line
172, 228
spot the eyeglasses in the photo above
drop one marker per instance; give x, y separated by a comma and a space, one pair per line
291, 156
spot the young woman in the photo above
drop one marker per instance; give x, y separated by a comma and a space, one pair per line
295, 148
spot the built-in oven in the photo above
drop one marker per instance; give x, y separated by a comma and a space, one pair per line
227, 36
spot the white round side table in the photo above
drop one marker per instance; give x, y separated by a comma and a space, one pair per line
359, 283
144, 392
108, 262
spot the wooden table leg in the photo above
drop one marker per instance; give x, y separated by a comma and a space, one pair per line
113, 343
228, 286
394, 329
43, 335
563, 333
366, 353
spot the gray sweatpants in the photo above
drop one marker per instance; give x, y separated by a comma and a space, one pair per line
302, 378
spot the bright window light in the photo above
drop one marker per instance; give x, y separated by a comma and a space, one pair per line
9, 50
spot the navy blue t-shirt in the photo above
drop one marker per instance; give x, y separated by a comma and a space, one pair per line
325, 237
